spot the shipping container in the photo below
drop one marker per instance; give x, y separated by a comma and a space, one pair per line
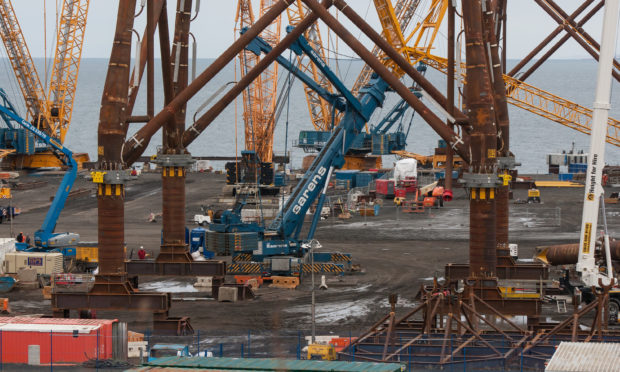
343, 184
346, 175
28, 340
565, 176
577, 168
363, 179
442, 174
385, 188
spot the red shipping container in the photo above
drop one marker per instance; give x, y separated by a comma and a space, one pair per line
385, 187
65, 340
400, 193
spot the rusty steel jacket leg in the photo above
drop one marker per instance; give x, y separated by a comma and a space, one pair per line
203, 122
481, 177
135, 146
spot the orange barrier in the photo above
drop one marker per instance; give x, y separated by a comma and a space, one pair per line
287, 282
243, 279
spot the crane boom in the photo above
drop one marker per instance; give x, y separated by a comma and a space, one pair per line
586, 264
320, 112
21, 61
394, 20
45, 237
259, 99
70, 39
543, 103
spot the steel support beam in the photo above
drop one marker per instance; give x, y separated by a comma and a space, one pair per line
203, 122
578, 37
450, 91
174, 248
136, 145
397, 57
558, 44
492, 24
157, 5
483, 140
548, 39
197, 268
454, 140
111, 192
158, 303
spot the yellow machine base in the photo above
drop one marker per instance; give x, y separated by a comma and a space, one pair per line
42, 160
362, 162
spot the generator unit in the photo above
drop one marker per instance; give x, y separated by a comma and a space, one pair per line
44, 263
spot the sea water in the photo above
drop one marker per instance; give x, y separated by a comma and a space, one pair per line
531, 137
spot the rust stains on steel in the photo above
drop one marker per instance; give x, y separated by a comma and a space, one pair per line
203, 122
174, 248
568, 254
180, 50
450, 91
150, 56
435, 122
166, 64
111, 131
136, 145
111, 136
492, 25
479, 102
133, 92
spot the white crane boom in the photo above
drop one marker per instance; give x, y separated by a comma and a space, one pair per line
586, 265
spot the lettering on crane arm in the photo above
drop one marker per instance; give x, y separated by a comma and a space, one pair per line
590, 196
314, 182
586, 238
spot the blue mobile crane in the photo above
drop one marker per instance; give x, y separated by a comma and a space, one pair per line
282, 236
45, 239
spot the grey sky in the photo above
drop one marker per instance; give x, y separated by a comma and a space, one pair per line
527, 25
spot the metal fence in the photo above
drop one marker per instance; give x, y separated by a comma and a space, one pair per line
60, 350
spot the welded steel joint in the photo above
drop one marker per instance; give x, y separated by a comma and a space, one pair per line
476, 180
173, 160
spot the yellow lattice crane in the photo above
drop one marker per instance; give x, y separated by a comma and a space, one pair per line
320, 110
520, 94
543, 103
21, 61
394, 20
51, 112
259, 99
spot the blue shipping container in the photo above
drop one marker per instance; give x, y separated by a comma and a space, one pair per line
565, 176
577, 168
363, 179
346, 175
442, 174
278, 179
